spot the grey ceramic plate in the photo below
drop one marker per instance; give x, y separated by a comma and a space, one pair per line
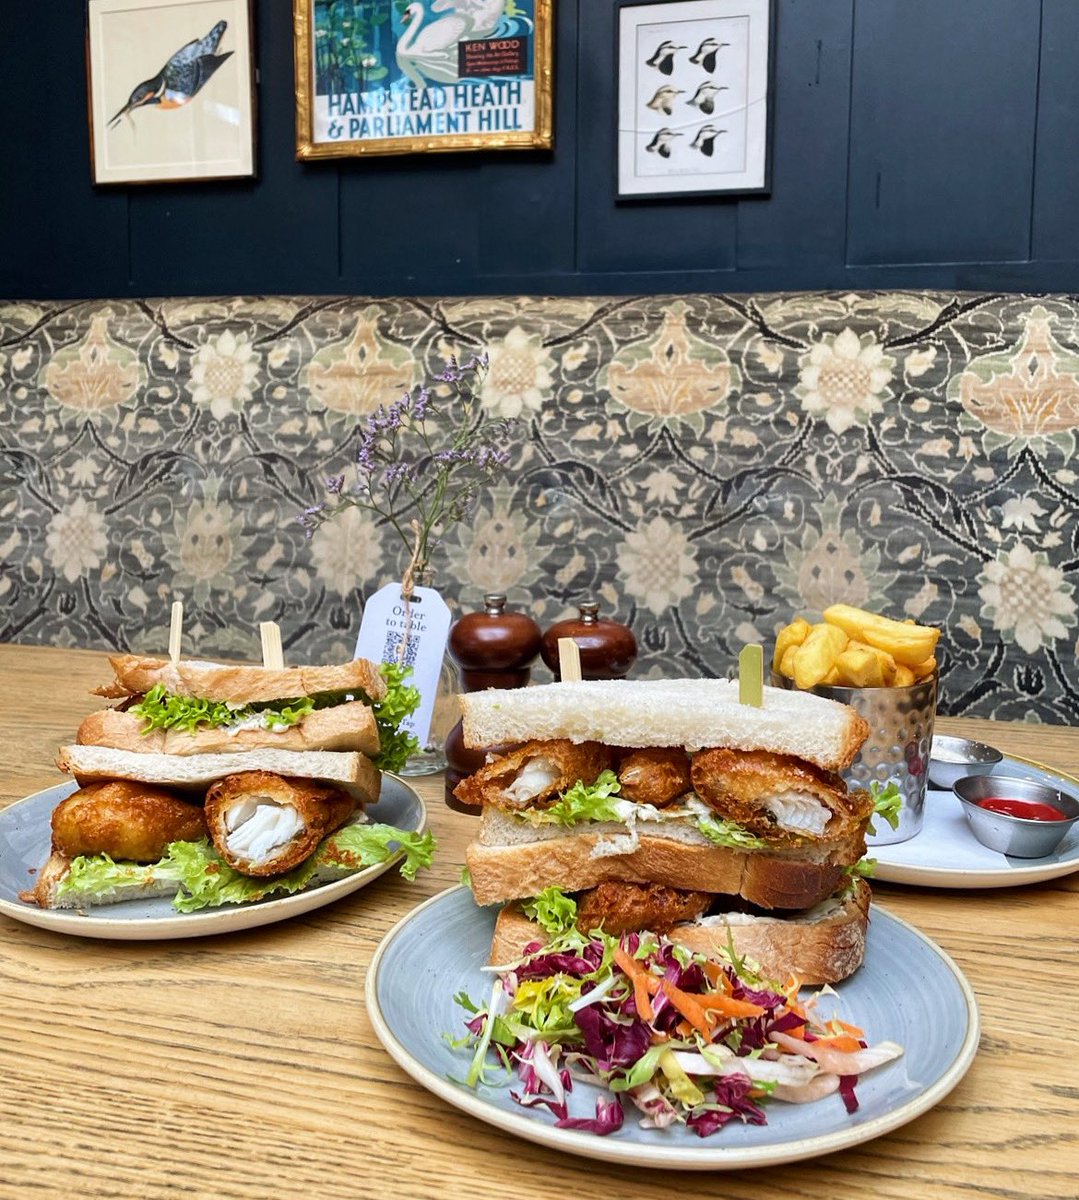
24, 846
907, 991
944, 853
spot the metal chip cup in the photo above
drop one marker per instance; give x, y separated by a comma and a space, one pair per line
900, 723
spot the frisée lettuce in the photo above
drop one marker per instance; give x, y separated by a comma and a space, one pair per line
601, 802
205, 880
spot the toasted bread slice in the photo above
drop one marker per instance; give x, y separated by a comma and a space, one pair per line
349, 726
822, 944
136, 674
511, 859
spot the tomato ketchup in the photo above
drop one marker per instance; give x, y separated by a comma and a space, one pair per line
1030, 810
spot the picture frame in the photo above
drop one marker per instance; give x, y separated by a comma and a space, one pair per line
694, 108
404, 77
170, 90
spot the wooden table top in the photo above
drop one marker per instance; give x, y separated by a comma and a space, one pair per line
245, 1065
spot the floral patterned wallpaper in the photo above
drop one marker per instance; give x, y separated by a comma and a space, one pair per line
703, 466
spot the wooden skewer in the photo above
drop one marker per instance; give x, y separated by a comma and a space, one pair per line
569, 660
176, 630
273, 657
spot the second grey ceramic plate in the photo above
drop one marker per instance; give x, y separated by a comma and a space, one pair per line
944, 853
24, 846
907, 991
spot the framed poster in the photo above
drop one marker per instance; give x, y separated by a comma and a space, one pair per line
694, 97
171, 90
407, 76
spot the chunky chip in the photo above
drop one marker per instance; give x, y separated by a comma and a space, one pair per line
855, 648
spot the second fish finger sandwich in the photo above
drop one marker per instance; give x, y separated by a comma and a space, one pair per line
667, 804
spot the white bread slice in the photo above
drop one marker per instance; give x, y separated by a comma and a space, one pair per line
511, 860
348, 726
56, 867
822, 944
694, 713
195, 772
137, 674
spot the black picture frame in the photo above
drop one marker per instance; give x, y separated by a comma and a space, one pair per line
723, 146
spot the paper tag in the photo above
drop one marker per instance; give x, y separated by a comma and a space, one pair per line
426, 618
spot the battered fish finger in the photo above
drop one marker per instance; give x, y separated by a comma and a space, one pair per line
655, 776
265, 824
534, 774
128, 821
765, 791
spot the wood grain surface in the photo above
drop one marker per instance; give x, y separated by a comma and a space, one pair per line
244, 1065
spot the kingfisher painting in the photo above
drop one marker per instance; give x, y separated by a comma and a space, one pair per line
182, 77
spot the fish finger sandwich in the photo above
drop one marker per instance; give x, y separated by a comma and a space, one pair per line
226, 784
668, 805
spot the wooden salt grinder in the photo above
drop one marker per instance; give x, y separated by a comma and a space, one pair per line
608, 649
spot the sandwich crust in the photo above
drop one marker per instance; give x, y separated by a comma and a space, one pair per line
241, 684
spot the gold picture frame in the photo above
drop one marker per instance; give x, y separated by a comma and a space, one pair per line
170, 90
403, 77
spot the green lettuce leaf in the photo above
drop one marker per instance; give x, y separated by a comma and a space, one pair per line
400, 701
161, 709
729, 833
553, 911
207, 881
582, 802
887, 801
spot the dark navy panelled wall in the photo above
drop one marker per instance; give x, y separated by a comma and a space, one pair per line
924, 143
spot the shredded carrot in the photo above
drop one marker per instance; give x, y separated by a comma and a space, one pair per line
727, 1006
840, 1041
690, 1008
639, 977
717, 976
853, 1030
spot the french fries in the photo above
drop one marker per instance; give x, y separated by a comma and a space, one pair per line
855, 648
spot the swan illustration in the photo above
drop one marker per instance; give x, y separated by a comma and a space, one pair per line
427, 50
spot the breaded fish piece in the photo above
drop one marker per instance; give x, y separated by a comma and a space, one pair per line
265, 824
129, 821
623, 907
657, 775
767, 792
534, 774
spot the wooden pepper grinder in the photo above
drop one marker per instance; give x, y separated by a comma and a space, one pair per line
608, 649
492, 649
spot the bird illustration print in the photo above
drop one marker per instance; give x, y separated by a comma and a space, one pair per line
705, 141
182, 77
705, 97
663, 100
705, 54
663, 58
661, 143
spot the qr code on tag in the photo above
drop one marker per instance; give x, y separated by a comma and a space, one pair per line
391, 650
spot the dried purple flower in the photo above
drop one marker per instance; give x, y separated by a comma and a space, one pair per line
423, 458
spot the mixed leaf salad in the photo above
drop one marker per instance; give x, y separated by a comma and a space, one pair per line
684, 1039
